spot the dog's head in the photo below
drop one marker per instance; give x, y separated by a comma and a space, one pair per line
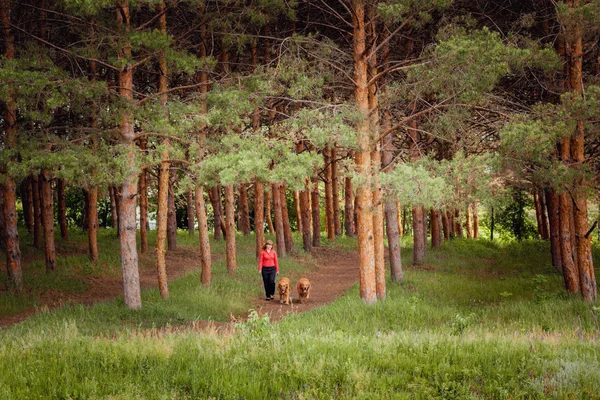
284, 286
304, 285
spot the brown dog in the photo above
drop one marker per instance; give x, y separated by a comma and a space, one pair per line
283, 287
303, 287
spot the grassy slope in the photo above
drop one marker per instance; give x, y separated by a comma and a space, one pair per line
479, 321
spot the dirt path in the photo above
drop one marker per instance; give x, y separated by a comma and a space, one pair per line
337, 271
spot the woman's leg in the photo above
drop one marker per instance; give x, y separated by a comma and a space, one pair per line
265, 276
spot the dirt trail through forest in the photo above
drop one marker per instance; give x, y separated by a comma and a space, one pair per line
336, 272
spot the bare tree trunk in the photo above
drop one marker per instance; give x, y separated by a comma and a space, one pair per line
62, 209
445, 225
554, 226
37, 212
585, 263
189, 201
230, 232
143, 195
287, 230
458, 223
337, 223
418, 213
545, 222
161, 224
363, 158
47, 200
171, 216
259, 216
127, 203
268, 203
114, 214
215, 199
205, 260
298, 211
348, 207
436, 237
316, 213
328, 197
305, 218
475, 221
468, 227
244, 210
27, 199
538, 214
401, 219
569, 266
93, 224
279, 229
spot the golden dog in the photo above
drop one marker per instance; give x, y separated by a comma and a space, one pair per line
303, 287
283, 287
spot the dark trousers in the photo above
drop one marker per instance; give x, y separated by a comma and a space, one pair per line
268, 275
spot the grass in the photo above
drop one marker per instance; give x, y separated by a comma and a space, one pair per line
480, 320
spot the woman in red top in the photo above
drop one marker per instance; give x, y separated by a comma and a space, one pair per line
268, 266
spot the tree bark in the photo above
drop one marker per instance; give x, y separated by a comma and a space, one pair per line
458, 229
259, 216
436, 236
329, 224
143, 194
37, 212
93, 224
554, 223
305, 217
215, 200
47, 201
205, 259
337, 223
171, 217
418, 213
244, 210
348, 207
268, 206
161, 224
230, 231
279, 229
363, 158
475, 221
299, 225
316, 213
468, 225
287, 230
538, 214
127, 196
11, 233
189, 200
545, 222
62, 209
114, 214
445, 225
27, 199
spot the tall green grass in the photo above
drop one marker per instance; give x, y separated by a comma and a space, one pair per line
480, 320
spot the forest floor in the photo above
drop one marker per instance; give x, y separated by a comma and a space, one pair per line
336, 272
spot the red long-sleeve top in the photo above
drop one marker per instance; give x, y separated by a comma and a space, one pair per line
268, 259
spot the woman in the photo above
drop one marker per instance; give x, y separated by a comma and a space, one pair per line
268, 265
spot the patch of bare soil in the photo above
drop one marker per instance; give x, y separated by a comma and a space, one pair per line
336, 272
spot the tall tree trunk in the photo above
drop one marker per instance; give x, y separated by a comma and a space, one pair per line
545, 222
244, 210
143, 195
128, 194
37, 212
279, 229
418, 213
215, 200
436, 236
538, 214
401, 219
287, 230
445, 225
114, 214
268, 204
205, 260
259, 216
554, 220
47, 201
337, 223
305, 218
458, 229
9, 209
475, 221
62, 209
584, 261
330, 228
93, 224
364, 194
348, 207
27, 199
468, 225
316, 213
230, 231
299, 225
161, 224
171, 217
189, 199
